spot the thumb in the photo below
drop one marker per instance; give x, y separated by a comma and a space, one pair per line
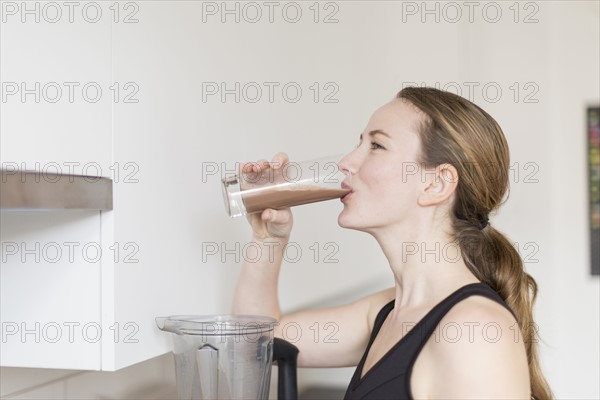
267, 215
278, 217
279, 222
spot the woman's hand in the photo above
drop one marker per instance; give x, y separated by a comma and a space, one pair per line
270, 223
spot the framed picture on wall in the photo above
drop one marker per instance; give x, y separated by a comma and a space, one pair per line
593, 140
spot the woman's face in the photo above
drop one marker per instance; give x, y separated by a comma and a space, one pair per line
383, 173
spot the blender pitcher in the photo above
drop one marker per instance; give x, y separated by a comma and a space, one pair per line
221, 356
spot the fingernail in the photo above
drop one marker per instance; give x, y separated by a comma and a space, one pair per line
268, 215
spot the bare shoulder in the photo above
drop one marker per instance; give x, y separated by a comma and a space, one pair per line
485, 313
479, 352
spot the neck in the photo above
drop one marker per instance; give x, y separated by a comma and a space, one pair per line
427, 265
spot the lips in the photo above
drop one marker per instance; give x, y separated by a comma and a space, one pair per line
347, 195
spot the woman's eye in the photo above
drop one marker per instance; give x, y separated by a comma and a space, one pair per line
376, 146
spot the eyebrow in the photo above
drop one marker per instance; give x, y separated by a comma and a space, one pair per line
376, 132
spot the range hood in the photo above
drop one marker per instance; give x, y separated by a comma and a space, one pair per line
35, 190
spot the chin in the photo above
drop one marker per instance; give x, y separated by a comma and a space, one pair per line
345, 221
341, 220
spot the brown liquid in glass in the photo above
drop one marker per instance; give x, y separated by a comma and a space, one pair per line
288, 196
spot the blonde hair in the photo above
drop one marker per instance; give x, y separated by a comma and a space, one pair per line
457, 132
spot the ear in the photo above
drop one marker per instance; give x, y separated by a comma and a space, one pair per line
439, 185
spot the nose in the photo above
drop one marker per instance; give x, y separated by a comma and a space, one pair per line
347, 165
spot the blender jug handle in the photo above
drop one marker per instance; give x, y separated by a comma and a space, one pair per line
207, 362
286, 355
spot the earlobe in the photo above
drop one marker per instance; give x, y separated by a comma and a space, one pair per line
439, 185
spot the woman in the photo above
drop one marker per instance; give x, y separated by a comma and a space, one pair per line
428, 170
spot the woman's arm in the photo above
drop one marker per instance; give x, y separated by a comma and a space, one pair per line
334, 336
256, 290
330, 337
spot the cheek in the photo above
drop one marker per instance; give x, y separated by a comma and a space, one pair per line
384, 176
391, 185
384, 183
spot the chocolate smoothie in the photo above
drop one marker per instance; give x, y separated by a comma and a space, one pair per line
288, 196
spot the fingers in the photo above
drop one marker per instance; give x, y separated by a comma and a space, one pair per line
255, 166
278, 161
270, 222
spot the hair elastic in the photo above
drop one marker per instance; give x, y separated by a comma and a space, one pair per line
483, 222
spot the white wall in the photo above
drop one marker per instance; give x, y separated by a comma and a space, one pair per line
575, 298
368, 55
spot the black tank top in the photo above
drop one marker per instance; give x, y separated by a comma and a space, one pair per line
389, 378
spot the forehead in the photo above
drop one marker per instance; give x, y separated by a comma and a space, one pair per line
397, 118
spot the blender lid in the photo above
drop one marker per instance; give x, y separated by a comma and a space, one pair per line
216, 325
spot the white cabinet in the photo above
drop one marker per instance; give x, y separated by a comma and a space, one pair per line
55, 63
94, 92
55, 118
50, 297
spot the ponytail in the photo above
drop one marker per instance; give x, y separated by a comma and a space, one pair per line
457, 132
491, 257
